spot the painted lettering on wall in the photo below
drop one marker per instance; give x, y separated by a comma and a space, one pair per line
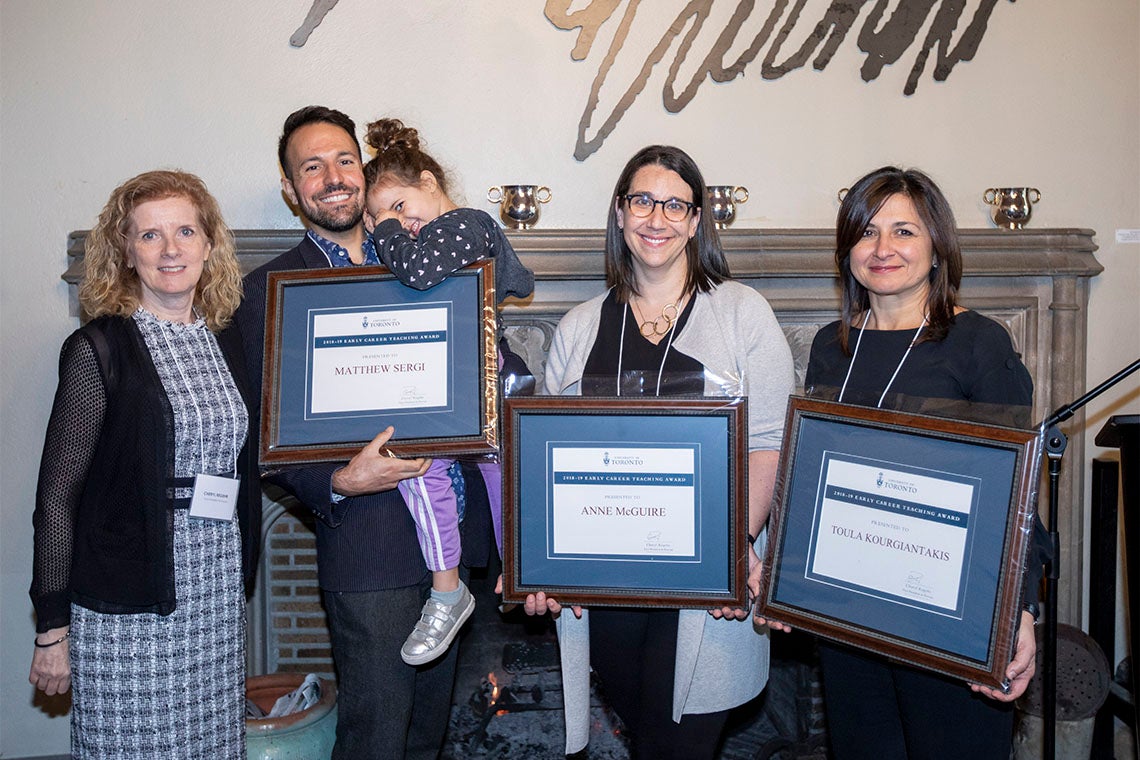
313, 19
884, 40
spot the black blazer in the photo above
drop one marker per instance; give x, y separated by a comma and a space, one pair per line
364, 543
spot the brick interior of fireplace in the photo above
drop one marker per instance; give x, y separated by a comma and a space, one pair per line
297, 637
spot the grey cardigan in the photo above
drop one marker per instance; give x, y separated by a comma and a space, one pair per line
732, 331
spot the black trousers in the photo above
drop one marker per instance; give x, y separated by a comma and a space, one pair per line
882, 711
634, 653
386, 708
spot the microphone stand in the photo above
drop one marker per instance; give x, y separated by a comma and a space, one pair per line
1055, 444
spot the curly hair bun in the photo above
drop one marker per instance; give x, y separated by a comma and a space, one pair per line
389, 134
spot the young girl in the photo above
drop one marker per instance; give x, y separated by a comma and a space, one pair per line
422, 236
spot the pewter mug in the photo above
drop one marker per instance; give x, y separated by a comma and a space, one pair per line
1012, 206
518, 204
722, 202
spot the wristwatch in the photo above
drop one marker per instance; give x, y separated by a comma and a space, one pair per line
1034, 610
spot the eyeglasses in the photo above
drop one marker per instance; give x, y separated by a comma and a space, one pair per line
642, 205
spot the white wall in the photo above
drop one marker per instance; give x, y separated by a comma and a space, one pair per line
93, 93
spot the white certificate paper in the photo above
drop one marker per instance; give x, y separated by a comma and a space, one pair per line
895, 534
624, 501
378, 359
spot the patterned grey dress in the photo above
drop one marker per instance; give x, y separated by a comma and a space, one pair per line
147, 686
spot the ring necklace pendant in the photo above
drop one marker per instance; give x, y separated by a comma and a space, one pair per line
668, 344
659, 325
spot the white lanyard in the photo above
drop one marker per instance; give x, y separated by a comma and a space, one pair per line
194, 398
855, 353
215, 497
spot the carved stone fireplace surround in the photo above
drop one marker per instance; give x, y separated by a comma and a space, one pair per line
1034, 282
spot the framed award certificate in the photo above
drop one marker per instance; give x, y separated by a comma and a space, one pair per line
902, 534
349, 352
628, 502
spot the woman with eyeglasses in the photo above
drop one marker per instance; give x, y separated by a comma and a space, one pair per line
671, 323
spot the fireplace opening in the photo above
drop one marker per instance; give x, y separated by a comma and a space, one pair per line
507, 699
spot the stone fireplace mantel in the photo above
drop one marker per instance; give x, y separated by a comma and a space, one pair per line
1034, 282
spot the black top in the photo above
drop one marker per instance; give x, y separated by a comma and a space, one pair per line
640, 359
972, 374
448, 243
104, 505
364, 543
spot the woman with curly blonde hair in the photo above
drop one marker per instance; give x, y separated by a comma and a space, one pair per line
111, 285
148, 506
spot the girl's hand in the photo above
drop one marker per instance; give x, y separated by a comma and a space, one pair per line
372, 220
386, 214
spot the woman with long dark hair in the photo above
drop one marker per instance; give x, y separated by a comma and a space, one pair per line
903, 342
672, 322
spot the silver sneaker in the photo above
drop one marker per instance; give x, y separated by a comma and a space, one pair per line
436, 628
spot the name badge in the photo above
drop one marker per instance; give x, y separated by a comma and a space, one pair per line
215, 497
